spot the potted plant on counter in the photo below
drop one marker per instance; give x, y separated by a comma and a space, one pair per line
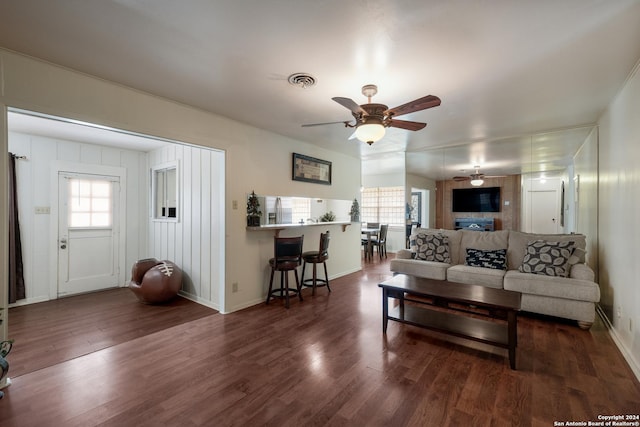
253, 210
328, 217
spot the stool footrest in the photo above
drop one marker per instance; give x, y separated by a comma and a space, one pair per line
309, 282
292, 291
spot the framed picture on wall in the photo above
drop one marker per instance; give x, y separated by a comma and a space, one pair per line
310, 169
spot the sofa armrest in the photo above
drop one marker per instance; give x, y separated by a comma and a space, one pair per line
403, 254
582, 272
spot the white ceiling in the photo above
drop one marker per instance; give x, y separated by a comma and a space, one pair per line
60, 128
508, 72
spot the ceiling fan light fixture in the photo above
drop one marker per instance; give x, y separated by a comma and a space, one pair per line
476, 182
370, 132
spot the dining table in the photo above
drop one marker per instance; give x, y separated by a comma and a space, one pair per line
369, 232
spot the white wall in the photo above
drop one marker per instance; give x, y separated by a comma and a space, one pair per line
33, 176
569, 199
255, 160
422, 183
585, 187
618, 213
193, 242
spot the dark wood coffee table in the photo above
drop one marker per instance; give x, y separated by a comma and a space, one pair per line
454, 321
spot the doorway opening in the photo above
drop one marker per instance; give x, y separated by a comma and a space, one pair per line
63, 159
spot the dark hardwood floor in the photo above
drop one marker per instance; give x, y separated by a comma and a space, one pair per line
104, 359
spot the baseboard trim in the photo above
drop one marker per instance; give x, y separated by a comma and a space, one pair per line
199, 300
628, 356
28, 301
261, 300
246, 305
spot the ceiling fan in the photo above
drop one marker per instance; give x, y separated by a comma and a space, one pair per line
371, 120
476, 179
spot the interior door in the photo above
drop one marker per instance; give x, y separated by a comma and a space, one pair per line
87, 232
544, 212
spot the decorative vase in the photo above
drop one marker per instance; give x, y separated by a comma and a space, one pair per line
253, 221
278, 210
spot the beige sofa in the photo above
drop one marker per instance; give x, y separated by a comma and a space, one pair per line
572, 297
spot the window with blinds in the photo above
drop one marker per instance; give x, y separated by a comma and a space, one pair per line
385, 205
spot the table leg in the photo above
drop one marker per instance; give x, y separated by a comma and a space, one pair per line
512, 325
385, 309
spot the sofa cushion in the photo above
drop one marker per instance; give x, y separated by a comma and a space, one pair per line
432, 247
582, 311
496, 259
582, 272
404, 254
547, 258
489, 277
454, 241
552, 286
414, 267
578, 256
485, 240
518, 242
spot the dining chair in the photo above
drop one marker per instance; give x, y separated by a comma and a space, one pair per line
366, 239
380, 241
409, 230
367, 247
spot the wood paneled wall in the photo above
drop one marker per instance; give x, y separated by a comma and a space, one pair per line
196, 241
507, 219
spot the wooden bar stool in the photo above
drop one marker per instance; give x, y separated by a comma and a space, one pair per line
315, 258
287, 256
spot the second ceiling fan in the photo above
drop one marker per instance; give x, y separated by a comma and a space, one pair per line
371, 119
476, 178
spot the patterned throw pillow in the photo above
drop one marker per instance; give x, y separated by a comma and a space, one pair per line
548, 258
496, 259
432, 247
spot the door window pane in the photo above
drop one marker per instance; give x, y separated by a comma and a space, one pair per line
90, 203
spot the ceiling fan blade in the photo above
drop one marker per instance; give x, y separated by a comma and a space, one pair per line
349, 104
404, 124
494, 176
461, 178
321, 124
423, 103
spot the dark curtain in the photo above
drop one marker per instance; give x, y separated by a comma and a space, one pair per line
16, 277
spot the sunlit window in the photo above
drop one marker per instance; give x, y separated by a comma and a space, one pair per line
385, 205
90, 203
301, 209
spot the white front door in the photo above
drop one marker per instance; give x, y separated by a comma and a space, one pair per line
87, 232
544, 212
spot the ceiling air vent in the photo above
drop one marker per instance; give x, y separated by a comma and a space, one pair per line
303, 80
